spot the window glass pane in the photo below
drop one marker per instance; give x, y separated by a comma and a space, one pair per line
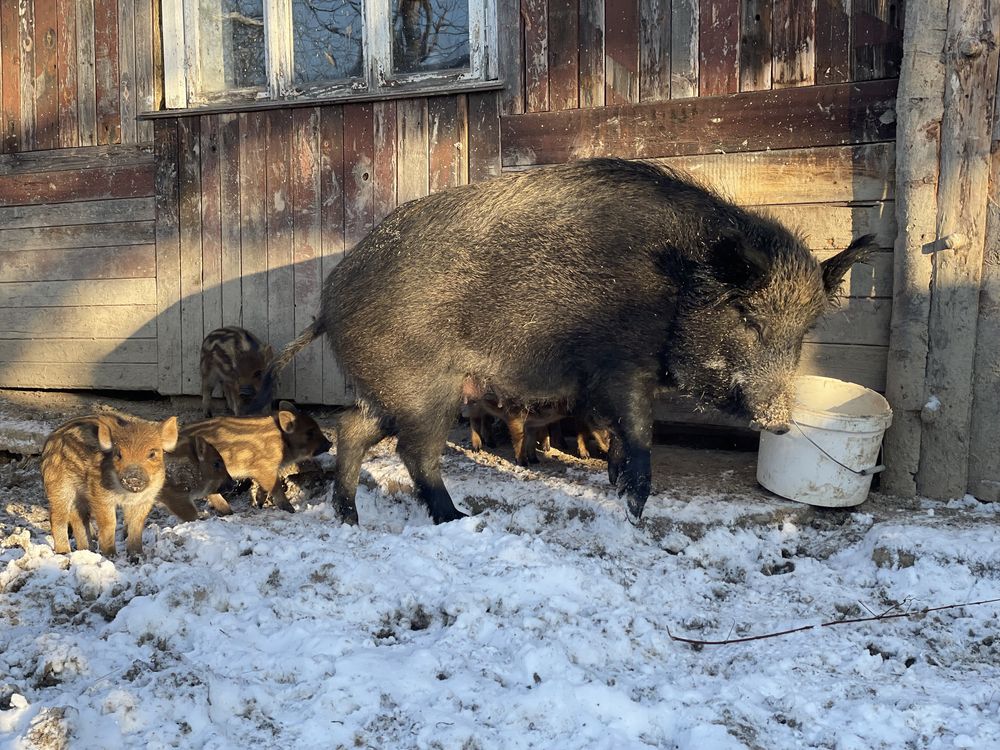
327, 36
231, 44
429, 35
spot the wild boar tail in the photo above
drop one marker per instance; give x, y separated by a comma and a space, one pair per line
262, 402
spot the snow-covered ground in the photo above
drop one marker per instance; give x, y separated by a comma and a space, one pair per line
542, 622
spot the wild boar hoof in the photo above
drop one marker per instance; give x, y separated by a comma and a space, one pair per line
449, 515
287, 507
633, 510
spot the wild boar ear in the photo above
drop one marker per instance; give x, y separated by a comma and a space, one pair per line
200, 448
168, 433
104, 436
286, 419
287, 406
836, 268
738, 263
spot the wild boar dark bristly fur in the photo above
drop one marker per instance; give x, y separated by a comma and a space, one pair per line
670, 285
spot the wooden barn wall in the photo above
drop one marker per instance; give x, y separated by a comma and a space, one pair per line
76, 72
255, 208
78, 269
788, 108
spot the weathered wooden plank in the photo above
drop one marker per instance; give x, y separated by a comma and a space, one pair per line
755, 45
858, 364
211, 223
89, 157
984, 458
793, 43
83, 235
447, 141
684, 49
252, 217
119, 377
359, 194
753, 121
46, 75
970, 86
484, 137
411, 147
110, 292
654, 50
591, 35
719, 47
189, 186
86, 73
229, 202
833, 41
833, 174
26, 28
103, 322
833, 227
384, 166
167, 259
106, 71
535, 19
83, 212
855, 320
332, 180
280, 274
61, 351
564, 66
10, 79
876, 28
76, 185
126, 70
145, 68
511, 63
128, 262
621, 51
307, 250
69, 132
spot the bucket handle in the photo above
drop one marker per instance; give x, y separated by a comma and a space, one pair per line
860, 472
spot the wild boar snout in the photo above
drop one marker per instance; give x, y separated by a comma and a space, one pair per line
134, 479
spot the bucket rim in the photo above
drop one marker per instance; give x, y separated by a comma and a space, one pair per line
825, 419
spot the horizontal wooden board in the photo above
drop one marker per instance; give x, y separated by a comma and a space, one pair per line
826, 226
88, 157
80, 235
77, 185
121, 377
125, 262
854, 321
109, 292
81, 212
832, 174
65, 351
798, 117
88, 322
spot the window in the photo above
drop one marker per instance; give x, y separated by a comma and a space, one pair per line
218, 51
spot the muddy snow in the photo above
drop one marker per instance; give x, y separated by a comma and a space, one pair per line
544, 621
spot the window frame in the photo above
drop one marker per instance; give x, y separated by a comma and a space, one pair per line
182, 64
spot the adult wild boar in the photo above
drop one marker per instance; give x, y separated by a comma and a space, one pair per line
606, 278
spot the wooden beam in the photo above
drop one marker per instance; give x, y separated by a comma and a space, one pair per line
92, 292
83, 212
800, 117
120, 262
85, 157
119, 377
61, 351
84, 235
971, 61
168, 260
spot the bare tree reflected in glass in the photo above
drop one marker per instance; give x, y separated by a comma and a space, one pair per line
327, 37
430, 35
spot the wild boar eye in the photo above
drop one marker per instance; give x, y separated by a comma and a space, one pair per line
118, 454
754, 326
153, 454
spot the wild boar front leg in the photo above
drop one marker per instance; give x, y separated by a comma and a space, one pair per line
135, 519
219, 504
103, 510
628, 405
61, 500
271, 486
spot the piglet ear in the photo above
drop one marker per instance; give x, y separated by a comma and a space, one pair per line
104, 437
836, 268
168, 434
286, 420
737, 263
200, 448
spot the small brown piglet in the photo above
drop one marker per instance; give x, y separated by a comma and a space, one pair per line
258, 447
91, 465
236, 359
525, 424
195, 470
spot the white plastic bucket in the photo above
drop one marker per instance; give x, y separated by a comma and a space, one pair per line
829, 456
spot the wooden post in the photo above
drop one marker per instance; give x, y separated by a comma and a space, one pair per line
919, 109
984, 454
971, 56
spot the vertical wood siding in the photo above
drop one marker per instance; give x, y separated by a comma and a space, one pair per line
75, 72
